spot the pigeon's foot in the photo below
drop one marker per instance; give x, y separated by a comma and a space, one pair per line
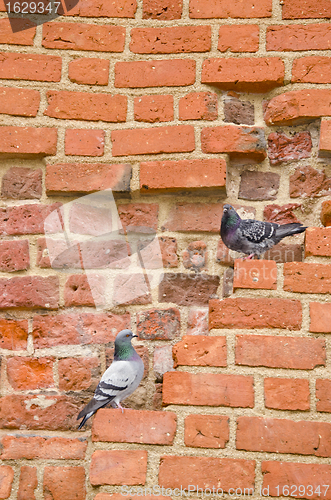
249, 257
120, 407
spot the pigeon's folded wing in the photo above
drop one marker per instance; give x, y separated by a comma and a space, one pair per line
118, 377
257, 231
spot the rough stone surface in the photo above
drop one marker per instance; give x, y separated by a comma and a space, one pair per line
238, 112
14, 255
309, 182
195, 257
256, 185
197, 321
158, 324
22, 183
188, 290
282, 148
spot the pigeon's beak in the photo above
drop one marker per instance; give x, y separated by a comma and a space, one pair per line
134, 336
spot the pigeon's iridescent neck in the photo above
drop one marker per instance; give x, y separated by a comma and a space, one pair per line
232, 221
124, 352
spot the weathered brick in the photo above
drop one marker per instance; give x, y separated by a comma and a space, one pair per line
25, 373
238, 38
162, 10
26, 219
320, 317
19, 102
13, 334
64, 482
39, 411
222, 474
324, 147
147, 427
200, 350
28, 483
22, 183
29, 292
89, 71
298, 106
83, 290
87, 177
318, 241
79, 36
79, 374
154, 108
37, 67
255, 313
284, 436
294, 9
188, 290
168, 248
227, 287
206, 431
286, 393
169, 139
14, 255
223, 255
306, 277
175, 175
299, 37
84, 328
284, 253
198, 106
261, 274
298, 353
297, 479
103, 8
23, 33
174, 40
118, 467
282, 148
256, 185
15, 447
238, 142
281, 214
118, 496
244, 74
308, 182
208, 389
326, 213
158, 324
323, 401
156, 73
197, 321
133, 288
86, 106
84, 142
312, 69
209, 9
139, 215
197, 217
195, 256
27, 142
237, 111
6, 480
162, 361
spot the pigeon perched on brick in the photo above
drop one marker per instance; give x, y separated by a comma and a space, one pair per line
120, 380
253, 237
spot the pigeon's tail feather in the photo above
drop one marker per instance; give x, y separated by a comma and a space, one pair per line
82, 422
288, 229
91, 408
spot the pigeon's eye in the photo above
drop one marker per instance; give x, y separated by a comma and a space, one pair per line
127, 335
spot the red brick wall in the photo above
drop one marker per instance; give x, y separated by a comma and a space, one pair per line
178, 107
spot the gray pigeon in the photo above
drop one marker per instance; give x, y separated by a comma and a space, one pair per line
119, 380
253, 237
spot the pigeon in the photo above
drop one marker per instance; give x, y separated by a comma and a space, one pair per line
119, 380
253, 237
